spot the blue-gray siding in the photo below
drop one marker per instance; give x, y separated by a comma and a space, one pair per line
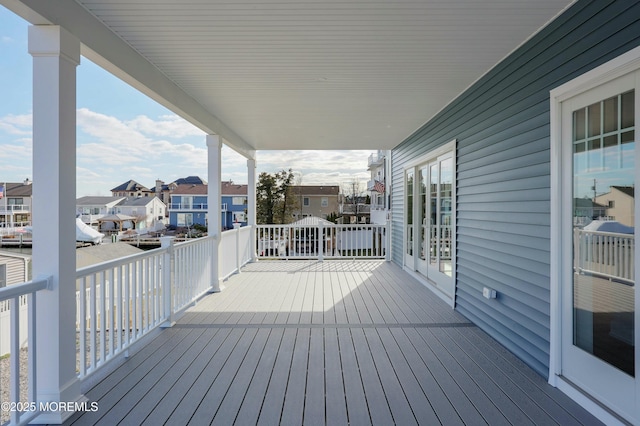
502, 126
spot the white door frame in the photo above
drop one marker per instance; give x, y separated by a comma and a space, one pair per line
410, 264
614, 69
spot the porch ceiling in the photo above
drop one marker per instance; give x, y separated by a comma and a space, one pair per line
312, 74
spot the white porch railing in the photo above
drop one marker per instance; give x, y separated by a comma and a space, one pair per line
235, 250
18, 400
322, 241
606, 254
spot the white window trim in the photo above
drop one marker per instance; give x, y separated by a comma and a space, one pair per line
618, 67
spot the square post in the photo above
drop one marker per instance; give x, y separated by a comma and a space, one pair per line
56, 54
167, 281
252, 207
214, 206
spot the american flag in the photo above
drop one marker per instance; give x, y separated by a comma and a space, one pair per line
378, 187
1, 191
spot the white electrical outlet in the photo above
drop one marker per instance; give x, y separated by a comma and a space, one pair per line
489, 293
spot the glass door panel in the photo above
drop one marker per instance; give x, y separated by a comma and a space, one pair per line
424, 218
445, 217
409, 240
604, 231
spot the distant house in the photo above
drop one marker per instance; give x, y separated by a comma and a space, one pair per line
316, 200
131, 188
91, 209
148, 211
620, 204
378, 186
14, 268
234, 204
188, 205
585, 210
15, 203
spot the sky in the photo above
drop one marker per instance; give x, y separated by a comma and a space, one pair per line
122, 134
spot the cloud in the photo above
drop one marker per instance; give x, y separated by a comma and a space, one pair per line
166, 126
17, 124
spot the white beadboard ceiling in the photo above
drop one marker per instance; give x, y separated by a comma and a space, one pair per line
299, 74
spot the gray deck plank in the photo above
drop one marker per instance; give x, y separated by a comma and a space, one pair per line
314, 405
466, 410
436, 397
396, 397
334, 342
252, 403
143, 395
293, 408
513, 384
246, 348
175, 392
376, 398
336, 407
471, 389
357, 407
185, 407
414, 394
271, 409
557, 404
239, 384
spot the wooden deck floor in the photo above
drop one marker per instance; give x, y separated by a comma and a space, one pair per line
330, 343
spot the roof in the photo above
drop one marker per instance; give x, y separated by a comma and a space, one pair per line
116, 218
230, 188
265, 75
191, 190
316, 190
628, 190
96, 201
17, 189
136, 201
190, 180
312, 221
131, 185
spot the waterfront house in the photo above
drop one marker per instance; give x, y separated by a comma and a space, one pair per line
498, 116
15, 203
316, 200
234, 204
148, 211
188, 205
92, 208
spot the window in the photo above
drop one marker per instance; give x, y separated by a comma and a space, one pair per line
324, 202
15, 201
239, 201
3, 275
305, 201
611, 204
185, 219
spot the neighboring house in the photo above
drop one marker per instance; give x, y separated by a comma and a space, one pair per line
188, 205
15, 203
234, 204
149, 212
92, 208
163, 191
620, 204
14, 268
318, 200
483, 192
377, 165
131, 188
585, 210
354, 209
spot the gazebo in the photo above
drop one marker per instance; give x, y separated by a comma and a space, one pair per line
117, 219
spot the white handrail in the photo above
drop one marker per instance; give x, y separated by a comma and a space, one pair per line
606, 254
12, 294
322, 241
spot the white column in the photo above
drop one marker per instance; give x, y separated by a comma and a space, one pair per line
251, 205
56, 54
214, 207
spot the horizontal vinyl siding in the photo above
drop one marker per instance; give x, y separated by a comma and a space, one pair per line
502, 127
